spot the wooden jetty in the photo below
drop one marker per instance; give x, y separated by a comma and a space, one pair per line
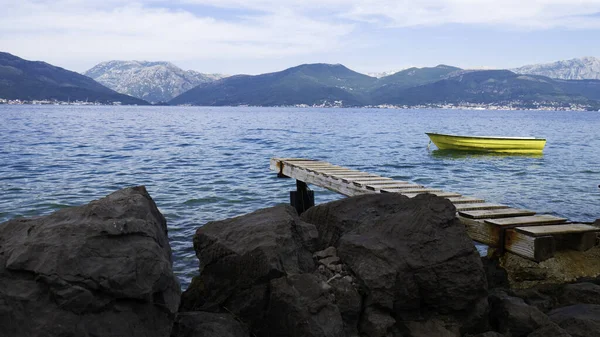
523, 232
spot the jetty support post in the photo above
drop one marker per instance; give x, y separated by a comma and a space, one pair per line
302, 198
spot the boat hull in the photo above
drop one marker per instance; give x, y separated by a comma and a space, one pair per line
488, 144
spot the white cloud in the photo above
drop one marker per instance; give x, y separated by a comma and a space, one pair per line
79, 33
69, 31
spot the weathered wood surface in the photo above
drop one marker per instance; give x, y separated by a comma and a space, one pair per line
572, 236
496, 213
368, 179
414, 194
478, 206
536, 248
482, 232
526, 221
571, 228
465, 200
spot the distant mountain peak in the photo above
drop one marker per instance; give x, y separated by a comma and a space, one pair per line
37, 80
154, 81
587, 67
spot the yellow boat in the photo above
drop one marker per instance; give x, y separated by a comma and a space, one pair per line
529, 145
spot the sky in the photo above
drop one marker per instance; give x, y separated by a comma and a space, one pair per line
259, 36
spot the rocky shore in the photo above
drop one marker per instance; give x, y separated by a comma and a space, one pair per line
372, 265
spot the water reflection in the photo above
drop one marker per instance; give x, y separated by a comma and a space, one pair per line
460, 154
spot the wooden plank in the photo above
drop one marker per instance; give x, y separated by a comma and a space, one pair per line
478, 206
379, 182
412, 190
329, 183
536, 248
495, 213
570, 228
465, 200
533, 248
347, 178
399, 186
316, 166
368, 179
331, 170
533, 220
412, 195
300, 159
580, 237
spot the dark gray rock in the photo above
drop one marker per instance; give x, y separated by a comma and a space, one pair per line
543, 298
301, 306
579, 320
349, 302
513, 317
377, 323
497, 277
550, 330
489, 334
103, 269
429, 328
585, 293
327, 252
413, 256
240, 256
207, 324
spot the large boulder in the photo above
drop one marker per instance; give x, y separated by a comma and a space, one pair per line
412, 255
579, 320
103, 269
240, 256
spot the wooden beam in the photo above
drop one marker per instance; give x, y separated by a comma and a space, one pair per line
380, 182
571, 228
481, 232
329, 183
403, 185
465, 200
533, 220
368, 179
495, 213
580, 237
441, 194
395, 186
414, 190
478, 206
536, 248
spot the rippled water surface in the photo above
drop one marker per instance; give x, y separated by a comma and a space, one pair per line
204, 164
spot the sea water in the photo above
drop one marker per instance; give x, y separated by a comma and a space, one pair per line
203, 164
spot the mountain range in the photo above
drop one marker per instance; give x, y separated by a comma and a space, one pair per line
150, 81
34, 80
585, 68
308, 84
322, 84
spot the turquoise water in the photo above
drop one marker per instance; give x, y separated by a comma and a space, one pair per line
204, 164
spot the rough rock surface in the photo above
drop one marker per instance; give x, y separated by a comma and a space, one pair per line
240, 256
379, 265
207, 324
513, 317
579, 320
412, 255
301, 306
103, 269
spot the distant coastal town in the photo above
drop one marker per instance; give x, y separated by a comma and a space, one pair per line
51, 102
514, 105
